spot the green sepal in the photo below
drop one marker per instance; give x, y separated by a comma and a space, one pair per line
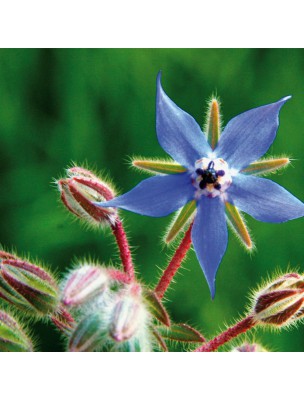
183, 216
238, 225
181, 333
263, 167
159, 166
213, 122
156, 307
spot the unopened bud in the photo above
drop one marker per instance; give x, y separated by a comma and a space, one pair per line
281, 302
27, 286
121, 323
128, 315
129, 322
84, 284
12, 336
249, 348
79, 192
90, 334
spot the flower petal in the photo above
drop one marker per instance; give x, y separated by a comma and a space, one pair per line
210, 237
178, 133
157, 196
264, 200
249, 135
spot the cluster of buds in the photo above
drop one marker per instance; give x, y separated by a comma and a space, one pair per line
27, 286
281, 302
111, 312
12, 335
79, 193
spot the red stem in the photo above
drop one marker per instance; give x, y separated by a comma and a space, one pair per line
174, 264
124, 250
229, 334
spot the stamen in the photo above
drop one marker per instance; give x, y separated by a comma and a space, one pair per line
212, 177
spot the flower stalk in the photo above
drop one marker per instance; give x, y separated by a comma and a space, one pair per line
241, 327
124, 249
174, 264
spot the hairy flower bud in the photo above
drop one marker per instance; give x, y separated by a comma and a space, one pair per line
83, 284
121, 323
129, 314
12, 336
249, 348
281, 302
79, 192
27, 286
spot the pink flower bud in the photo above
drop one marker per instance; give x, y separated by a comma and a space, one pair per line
129, 316
249, 348
79, 192
281, 302
84, 284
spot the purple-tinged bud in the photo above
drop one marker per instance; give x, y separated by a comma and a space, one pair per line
83, 284
281, 302
249, 348
12, 336
79, 192
28, 286
120, 323
130, 320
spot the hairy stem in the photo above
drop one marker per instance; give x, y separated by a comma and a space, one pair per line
174, 264
124, 249
232, 332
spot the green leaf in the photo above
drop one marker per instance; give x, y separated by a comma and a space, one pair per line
181, 333
156, 307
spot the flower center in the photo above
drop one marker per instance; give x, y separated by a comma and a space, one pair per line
211, 177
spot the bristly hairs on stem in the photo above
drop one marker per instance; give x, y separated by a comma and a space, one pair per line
174, 264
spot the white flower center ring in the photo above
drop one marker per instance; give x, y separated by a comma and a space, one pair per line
211, 177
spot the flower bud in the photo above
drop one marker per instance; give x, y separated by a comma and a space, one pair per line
27, 286
120, 323
127, 317
79, 192
84, 284
281, 302
12, 337
249, 348
90, 334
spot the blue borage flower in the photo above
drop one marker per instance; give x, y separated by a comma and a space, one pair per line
212, 177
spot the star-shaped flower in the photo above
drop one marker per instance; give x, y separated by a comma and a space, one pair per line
215, 177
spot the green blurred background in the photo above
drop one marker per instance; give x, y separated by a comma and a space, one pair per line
98, 106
